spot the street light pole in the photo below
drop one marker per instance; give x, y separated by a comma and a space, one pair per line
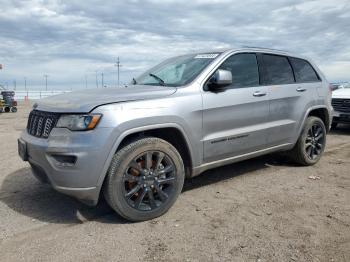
102, 80
118, 65
96, 79
46, 81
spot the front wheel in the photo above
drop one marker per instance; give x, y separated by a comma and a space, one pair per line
144, 179
311, 143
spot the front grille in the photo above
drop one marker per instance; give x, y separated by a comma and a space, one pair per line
41, 123
341, 104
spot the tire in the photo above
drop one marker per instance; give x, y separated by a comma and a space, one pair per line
334, 125
135, 174
7, 109
13, 109
303, 151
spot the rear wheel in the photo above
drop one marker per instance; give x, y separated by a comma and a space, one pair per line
144, 179
14, 109
311, 143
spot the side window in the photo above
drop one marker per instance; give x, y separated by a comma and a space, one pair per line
303, 71
244, 69
278, 70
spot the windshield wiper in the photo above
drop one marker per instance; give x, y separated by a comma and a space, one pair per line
161, 81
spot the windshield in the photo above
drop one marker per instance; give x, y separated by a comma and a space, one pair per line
176, 71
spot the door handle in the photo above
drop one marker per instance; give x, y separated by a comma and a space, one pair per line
258, 93
301, 89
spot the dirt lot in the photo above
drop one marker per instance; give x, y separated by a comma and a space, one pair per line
263, 209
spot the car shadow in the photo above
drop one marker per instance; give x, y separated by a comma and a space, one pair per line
21, 192
234, 170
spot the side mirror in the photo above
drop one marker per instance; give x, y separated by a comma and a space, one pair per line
220, 80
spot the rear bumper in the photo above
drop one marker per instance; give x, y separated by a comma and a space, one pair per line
71, 162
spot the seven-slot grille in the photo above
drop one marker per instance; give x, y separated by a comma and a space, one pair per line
41, 123
341, 104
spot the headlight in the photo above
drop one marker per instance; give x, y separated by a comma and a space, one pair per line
79, 122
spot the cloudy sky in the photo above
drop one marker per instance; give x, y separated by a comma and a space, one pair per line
74, 40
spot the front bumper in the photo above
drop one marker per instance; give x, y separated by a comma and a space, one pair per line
72, 162
341, 117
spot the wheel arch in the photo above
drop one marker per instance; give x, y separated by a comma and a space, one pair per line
319, 111
172, 133
323, 114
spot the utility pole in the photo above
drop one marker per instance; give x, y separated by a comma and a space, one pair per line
46, 81
118, 65
86, 81
25, 84
102, 80
96, 79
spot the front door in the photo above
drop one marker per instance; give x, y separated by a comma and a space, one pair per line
234, 120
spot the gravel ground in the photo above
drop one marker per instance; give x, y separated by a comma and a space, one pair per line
263, 209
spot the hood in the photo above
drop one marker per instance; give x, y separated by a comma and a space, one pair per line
83, 101
341, 93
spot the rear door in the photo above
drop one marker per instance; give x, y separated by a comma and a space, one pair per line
234, 121
292, 90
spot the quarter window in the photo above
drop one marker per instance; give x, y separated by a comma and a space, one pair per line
277, 70
244, 69
303, 71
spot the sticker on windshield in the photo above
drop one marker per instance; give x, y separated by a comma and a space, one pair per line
206, 56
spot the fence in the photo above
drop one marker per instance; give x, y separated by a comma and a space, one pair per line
24, 95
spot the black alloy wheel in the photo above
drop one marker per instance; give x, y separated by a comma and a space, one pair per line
149, 180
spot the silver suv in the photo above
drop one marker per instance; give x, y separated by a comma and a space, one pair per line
186, 115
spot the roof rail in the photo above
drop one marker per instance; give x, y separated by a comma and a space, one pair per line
265, 48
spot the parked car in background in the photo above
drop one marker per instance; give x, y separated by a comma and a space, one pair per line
341, 105
7, 101
186, 115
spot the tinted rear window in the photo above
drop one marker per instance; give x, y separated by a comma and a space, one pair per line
303, 70
277, 70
